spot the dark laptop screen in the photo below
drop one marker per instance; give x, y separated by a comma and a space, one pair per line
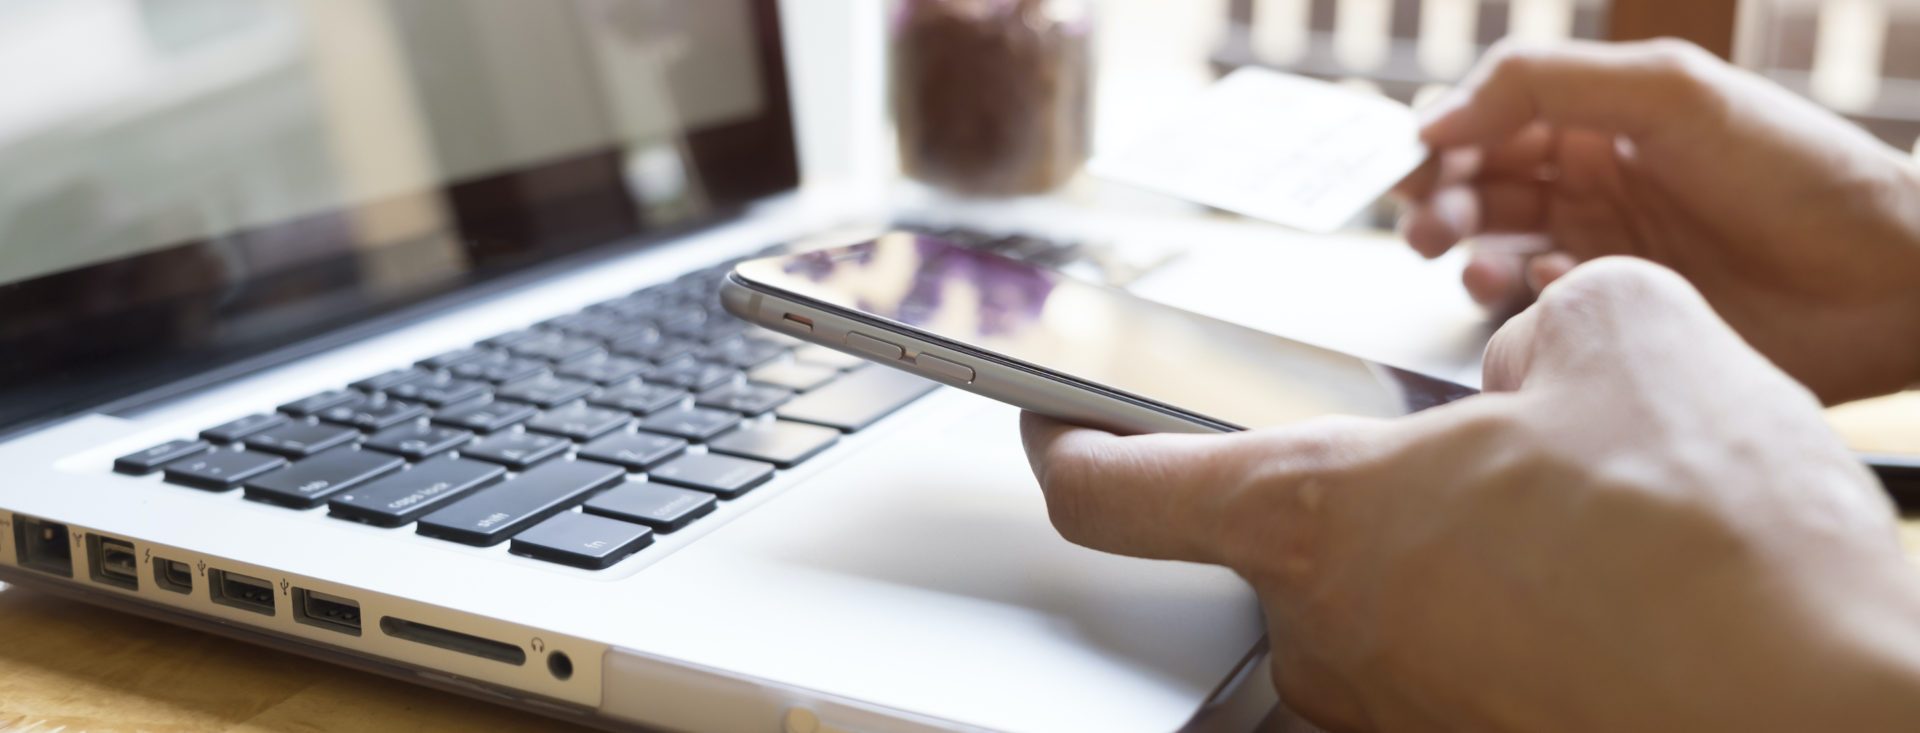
185, 184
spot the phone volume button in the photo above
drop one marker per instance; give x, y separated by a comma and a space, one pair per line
943, 368
870, 345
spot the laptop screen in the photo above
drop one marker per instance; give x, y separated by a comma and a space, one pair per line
186, 184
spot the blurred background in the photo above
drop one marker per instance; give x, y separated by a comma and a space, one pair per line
132, 138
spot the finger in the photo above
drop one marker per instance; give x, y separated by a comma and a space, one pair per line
1458, 212
1627, 88
1582, 316
1494, 280
1155, 496
1545, 268
1443, 168
1203, 498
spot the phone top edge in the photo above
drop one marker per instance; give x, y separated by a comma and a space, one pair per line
743, 309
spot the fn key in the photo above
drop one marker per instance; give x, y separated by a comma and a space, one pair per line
582, 540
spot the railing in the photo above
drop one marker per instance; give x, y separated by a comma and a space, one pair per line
1859, 57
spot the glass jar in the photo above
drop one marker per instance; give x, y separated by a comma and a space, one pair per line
991, 97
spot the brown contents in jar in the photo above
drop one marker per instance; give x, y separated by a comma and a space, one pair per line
990, 96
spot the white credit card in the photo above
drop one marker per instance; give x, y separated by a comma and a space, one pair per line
1288, 149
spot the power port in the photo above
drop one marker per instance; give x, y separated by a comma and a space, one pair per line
42, 545
173, 575
240, 591
333, 613
111, 561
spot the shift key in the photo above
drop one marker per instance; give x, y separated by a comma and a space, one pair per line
490, 516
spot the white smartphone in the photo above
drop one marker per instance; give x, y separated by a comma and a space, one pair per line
1078, 351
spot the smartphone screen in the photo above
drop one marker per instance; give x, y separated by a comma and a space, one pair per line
1094, 335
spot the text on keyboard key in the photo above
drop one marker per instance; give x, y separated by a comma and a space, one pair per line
746, 399
306, 484
489, 516
692, 423
634, 451
299, 440
399, 498
545, 391
372, 412
308, 405
664, 508
579, 421
416, 441
229, 432
486, 417
638, 397
151, 459
582, 540
221, 470
515, 450
724, 475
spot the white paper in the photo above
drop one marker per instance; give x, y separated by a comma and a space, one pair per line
1288, 149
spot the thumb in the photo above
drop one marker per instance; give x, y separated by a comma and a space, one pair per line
1628, 88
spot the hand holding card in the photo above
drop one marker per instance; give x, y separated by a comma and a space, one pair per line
1288, 149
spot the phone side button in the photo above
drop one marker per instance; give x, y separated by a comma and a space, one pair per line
944, 369
874, 346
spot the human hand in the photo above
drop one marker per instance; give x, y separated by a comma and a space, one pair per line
1801, 230
1641, 526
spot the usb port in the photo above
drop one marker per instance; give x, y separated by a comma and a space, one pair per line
42, 545
329, 612
240, 591
111, 561
173, 575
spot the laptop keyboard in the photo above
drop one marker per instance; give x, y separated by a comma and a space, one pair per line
574, 441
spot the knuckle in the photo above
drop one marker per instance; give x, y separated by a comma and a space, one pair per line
1607, 287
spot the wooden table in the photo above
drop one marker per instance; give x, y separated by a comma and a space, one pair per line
69, 666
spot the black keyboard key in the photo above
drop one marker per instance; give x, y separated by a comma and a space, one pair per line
500, 366
638, 397
742, 352
151, 459
579, 421
418, 441
221, 470
635, 451
603, 369
243, 427
388, 380
556, 348
582, 540
486, 417
545, 391
399, 498
793, 375
457, 356
724, 475
306, 406
299, 440
857, 400
440, 390
818, 355
657, 350
517, 450
488, 517
692, 423
690, 374
306, 484
781, 443
372, 412
511, 337
623, 331
746, 399
664, 508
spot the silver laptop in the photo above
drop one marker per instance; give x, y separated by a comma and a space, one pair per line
385, 332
